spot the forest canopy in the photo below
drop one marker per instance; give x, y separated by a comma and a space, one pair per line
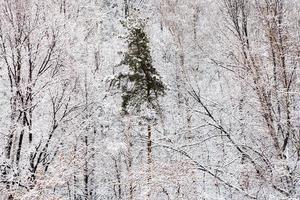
149, 100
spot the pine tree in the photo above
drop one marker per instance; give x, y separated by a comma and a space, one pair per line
142, 84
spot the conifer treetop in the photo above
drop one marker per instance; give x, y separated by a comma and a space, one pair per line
142, 84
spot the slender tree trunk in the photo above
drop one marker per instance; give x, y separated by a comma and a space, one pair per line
12, 130
86, 171
149, 158
118, 185
129, 157
86, 145
126, 8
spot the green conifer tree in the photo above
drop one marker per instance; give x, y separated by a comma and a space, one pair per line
142, 85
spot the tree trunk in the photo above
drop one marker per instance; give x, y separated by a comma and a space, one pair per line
126, 8
129, 157
149, 158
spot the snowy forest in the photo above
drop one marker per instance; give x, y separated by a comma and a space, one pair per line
149, 99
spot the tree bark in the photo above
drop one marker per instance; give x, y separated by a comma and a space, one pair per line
149, 159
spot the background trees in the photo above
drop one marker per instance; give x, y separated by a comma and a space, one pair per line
206, 108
